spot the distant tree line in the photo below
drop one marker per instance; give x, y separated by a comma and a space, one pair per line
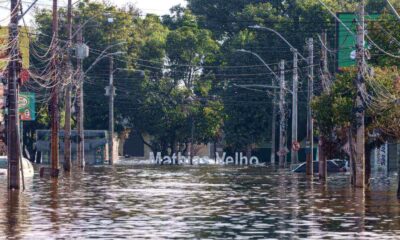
180, 71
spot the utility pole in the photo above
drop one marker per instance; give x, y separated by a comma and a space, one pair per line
310, 127
192, 139
111, 113
13, 142
67, 128
322, 169
282, 124
324, 63
274, 109
360, 108
273, 128
294, 153
80, 104
398, 186
54, 96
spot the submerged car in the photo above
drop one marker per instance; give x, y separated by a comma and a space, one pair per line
333, 166
26, 164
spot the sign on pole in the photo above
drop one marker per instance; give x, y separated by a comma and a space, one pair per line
26, 106
346, 41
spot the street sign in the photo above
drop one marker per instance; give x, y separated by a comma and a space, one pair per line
26, 106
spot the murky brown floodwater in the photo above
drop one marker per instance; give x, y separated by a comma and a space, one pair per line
196, 202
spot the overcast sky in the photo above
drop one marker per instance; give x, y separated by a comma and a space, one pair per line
159, 7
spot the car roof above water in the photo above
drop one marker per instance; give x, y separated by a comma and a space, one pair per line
3, 162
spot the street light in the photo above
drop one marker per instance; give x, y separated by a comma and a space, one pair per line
190, 100
260, 58
273, 129
294, 155
293, 49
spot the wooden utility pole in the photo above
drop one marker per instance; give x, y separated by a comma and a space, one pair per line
324, 63
80, 105
273, 127
54, 95
310, 125
191, 154
359, 125
14, 66
67, 127
398, 187
294, 153
111, 113
282, 124
322, 168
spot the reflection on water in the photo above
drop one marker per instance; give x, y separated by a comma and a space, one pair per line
196, 202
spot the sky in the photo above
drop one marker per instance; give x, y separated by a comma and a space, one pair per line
158, 7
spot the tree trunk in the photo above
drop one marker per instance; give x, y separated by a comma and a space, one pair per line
173, 148
152, 147
398, 187
248, 152
164, 148
185, 149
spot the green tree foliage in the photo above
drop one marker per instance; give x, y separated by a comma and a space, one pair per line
184, 68
188, 49
155, 77
334, 110
248, 113
386, 34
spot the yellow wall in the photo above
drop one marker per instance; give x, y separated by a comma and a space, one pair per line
24, 47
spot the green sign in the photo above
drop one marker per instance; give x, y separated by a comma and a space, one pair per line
26, 106
347, 41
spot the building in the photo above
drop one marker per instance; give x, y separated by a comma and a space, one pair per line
96, 146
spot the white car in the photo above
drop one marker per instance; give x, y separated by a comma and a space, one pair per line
27, 167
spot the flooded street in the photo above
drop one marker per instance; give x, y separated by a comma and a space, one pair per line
162, 202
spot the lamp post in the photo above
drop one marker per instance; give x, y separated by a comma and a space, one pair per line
274, 108
111, 96
296, 54
190, 100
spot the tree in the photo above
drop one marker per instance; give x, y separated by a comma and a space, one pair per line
385, 33
188, 49
334, 111
149, 75
229, 22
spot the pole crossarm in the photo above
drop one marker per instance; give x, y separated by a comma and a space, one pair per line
128, 70
249, 88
